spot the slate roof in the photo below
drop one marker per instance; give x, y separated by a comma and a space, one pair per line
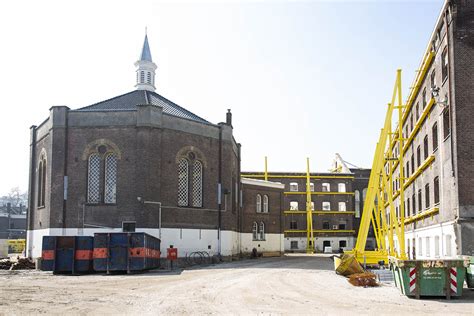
129, 101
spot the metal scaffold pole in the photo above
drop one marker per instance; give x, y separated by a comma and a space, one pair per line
309, 213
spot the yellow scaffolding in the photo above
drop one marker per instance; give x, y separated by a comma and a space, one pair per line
380, 202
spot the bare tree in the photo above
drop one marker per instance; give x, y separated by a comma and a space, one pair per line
15, 197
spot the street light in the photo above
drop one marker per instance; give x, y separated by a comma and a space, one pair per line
140, 200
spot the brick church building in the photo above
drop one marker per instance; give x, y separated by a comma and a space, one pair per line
139, 162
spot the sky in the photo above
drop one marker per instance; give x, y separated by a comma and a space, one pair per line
302, 78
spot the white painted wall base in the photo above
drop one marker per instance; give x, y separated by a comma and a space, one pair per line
185, 240
319, 242
433, 242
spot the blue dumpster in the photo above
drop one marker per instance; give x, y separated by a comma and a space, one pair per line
67, 254
125, 252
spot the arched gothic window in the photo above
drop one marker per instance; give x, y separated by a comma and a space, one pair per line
255, 231
259, 203
102, 177
41, 181
265, 203
190, 185
183, 171
261, 231
197, 183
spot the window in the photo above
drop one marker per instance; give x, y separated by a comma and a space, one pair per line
448, 245
142, 77
129, 227
357, 203
413, 163
407, 207
425, 147
294, 187
93, 179
312, 205
418, 156
417, 111
148, 77
364, 194
341, 187
294, 244
420, 247
293, 225
413, 199
444, 66
102, 177
255, 231
342, 225
259, 203
265, 203
407, 169
326, 206
434, 132
436, 190
428, 244
325, 225
446, 123
342, 206
326, 187
342, 243
424, 97
190, 187
433, 79
41, 181
183, 171
110, 193
427, 195
293, 205
436, 247
411, 123
420, 207
261, 231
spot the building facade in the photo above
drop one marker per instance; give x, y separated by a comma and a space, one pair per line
139, 162
336, 203
437, 150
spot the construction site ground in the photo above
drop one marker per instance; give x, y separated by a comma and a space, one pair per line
293, 284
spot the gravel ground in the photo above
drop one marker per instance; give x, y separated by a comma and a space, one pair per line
294, 284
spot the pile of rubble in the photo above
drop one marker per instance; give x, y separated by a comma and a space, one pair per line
16, 264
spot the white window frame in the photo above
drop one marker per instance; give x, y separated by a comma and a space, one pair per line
261, 231
326, 187
265, 203
259, 203
341, 187
311, 186
294, 207
326, 206
254, 231
342, 207
293, 187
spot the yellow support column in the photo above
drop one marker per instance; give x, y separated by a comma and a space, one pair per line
401, 232
309, 213
266, 170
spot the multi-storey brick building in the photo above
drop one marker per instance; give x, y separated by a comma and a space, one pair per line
141, 162
438, 142
336, 202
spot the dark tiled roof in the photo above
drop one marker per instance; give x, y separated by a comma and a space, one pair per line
129, 101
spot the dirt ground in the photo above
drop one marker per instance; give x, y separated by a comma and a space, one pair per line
295, 284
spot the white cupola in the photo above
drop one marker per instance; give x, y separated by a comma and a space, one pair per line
145, 69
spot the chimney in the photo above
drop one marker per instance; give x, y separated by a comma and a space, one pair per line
228, 119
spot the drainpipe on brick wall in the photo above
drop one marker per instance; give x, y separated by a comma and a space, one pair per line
239, 194
219, 195
31, 188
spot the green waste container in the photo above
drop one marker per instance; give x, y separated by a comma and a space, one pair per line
429, 277
470, 272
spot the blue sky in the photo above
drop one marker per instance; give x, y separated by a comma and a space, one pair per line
303, 78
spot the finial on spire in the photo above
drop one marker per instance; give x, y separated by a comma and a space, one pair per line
146, 33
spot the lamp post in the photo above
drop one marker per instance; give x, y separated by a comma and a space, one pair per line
140, 199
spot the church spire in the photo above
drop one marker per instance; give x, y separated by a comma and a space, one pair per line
145, 69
